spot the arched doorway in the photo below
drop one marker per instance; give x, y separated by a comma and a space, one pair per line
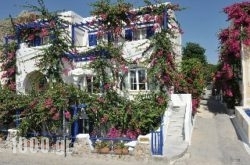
35, 81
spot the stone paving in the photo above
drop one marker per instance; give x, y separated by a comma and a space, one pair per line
214, 140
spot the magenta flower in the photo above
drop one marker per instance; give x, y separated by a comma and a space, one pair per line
48, 103
67, 114
56, 116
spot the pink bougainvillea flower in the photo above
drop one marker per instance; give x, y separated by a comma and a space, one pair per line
11, 55
12, 86
56, 116
67, 115
52, 110
31, 37
44, 32
48, 102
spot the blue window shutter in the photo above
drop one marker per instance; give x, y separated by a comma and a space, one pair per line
150, 31
128, 35
37, 41
92, 39
110, 37
165, 19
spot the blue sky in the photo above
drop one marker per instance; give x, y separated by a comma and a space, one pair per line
201, 20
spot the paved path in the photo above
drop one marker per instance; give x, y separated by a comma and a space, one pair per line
214, 140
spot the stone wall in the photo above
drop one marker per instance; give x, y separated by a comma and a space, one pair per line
84, 148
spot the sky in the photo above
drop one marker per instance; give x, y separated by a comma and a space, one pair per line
201, 20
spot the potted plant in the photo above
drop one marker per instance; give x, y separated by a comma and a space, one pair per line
120, 148
102, 147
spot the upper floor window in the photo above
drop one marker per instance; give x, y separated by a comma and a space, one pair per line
138, 34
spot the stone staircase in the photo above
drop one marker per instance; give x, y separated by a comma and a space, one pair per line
175, 141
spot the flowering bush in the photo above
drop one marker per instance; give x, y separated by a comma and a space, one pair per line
231, 40
8, 60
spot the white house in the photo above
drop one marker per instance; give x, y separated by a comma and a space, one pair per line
83, 36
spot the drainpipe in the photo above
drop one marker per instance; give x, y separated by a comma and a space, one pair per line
6, 40
165, 22
72, 35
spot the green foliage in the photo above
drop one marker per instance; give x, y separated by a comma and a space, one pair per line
120, 145
9, 102
102, 144
193, 71
194, 50
209, 72
144, 113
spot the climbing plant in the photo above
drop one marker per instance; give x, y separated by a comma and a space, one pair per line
231, 41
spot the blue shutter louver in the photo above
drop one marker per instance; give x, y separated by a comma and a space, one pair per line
37, 41
150, 32
165, 19
128, 35
110, 37
92, 39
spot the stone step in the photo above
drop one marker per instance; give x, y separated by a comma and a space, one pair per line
173, 150
177, 117
177, 120
175, 125
175, 129
174, 139
177, 134
178, 111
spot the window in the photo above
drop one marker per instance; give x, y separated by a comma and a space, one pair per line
136, 35
139, 34
45, 40
93, 86
137, 79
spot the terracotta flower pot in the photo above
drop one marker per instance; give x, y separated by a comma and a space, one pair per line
104, 150
118, 151
121, 151
125, 151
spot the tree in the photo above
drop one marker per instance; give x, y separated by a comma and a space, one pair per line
209, 72
194, 50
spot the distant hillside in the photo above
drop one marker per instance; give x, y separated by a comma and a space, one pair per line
23, 17
5, 28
